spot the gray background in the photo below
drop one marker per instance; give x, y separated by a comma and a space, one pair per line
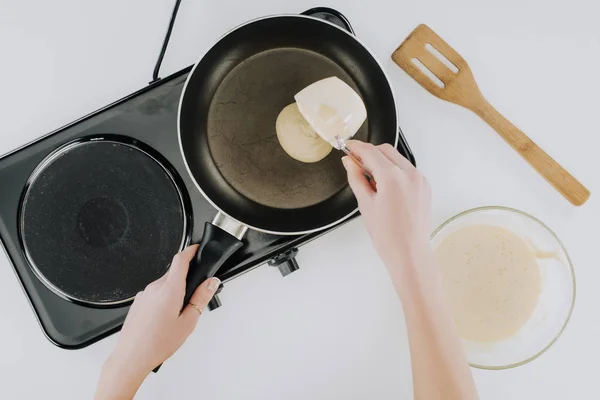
334, 329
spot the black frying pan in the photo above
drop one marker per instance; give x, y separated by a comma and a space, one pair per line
227, 132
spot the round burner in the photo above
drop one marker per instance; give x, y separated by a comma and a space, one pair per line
102, 221
101, 218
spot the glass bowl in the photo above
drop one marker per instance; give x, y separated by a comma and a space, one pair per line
557, 296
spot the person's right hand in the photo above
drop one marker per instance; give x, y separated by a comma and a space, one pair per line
396, 209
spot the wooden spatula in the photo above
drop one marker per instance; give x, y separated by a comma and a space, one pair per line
429, 60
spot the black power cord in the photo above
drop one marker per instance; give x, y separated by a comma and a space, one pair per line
163, 50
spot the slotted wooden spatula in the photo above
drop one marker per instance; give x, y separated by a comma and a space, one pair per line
429, 60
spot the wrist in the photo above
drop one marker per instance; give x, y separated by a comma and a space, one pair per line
121, 378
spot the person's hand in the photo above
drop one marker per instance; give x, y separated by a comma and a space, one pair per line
156, 326
396, 209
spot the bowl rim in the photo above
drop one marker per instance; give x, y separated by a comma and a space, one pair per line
563, 249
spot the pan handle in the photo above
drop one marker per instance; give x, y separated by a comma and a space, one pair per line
330, 15
220, 240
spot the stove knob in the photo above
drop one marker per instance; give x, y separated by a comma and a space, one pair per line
286, 262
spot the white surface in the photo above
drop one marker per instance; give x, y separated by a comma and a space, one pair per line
334, 329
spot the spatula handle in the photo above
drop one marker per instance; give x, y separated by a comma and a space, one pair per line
556, 175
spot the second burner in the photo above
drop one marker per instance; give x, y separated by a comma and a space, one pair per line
100, 219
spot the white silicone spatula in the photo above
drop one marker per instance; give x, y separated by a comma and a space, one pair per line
335, 111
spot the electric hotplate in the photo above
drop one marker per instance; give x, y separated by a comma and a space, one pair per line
82, 247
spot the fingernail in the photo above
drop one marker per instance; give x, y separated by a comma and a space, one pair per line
213, 284
345, 161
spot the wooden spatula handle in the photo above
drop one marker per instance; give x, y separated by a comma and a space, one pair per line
556, 175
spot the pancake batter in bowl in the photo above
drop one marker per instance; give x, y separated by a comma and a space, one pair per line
491, 281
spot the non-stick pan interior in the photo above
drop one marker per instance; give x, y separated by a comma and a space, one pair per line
242, 137
228, 113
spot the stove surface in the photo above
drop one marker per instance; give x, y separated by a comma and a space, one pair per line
150, 117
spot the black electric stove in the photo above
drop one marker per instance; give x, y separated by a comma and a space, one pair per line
74, 254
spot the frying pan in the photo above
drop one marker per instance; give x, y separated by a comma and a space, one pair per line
227, 137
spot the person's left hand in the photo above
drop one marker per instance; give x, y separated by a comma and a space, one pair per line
155, 326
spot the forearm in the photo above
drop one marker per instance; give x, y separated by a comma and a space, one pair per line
117, 382
439, 366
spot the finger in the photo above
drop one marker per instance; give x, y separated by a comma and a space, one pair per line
371, 157
205, 292
202, 295
394, 156
358, 182
181, 264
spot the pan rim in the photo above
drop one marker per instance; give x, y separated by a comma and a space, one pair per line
191, 73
